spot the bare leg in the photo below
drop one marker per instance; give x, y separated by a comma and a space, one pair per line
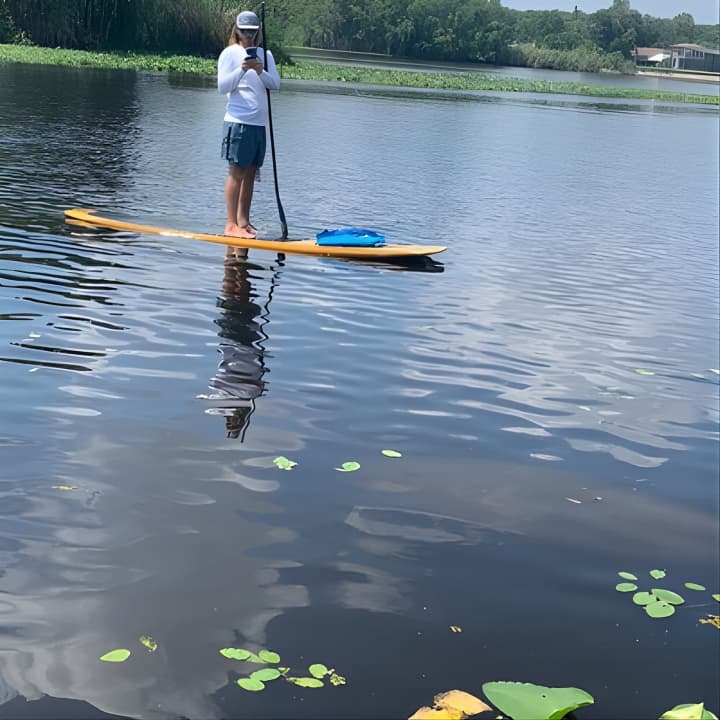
234, 184
246, 193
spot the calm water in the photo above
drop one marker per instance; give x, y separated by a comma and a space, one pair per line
160, 378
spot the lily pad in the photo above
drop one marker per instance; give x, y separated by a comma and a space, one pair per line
265, 675
668, 596
659, 609
525, 700
318, 670
251, 684
716, 596
336, 679
627, 575
643, 598
240, 654
689, 712
116, 656
657, 574
148, 642
695, 586
626, 587
642, 371
391, 453
269, 656
284, 464
308, 682
349, 466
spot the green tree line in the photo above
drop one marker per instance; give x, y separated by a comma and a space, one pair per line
459, 30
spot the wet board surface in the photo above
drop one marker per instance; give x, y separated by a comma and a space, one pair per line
81, 216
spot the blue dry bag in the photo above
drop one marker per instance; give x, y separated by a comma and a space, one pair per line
350, 237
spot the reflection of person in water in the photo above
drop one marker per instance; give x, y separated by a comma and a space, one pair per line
238, 380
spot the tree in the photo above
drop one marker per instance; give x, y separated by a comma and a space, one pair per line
7, 26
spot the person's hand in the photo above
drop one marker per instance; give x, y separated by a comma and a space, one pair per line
255, 65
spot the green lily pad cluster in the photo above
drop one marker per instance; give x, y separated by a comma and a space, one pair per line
658, 602
257, 680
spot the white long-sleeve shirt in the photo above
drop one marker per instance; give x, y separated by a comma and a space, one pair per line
247, 99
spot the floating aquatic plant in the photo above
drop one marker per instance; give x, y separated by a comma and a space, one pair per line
668, 596
659, 609
350, 466
657, 602
269, 656
627, 575
643, 598
688, 712
391, 453
148, 642
251, 684
306, 682
242, 654
283, 463
116, 656
318, 670
266, 674
257, 680
525, 700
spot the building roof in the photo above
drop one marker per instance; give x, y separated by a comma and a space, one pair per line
648, 51
693, 46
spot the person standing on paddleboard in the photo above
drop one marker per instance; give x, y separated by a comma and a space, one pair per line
243, 78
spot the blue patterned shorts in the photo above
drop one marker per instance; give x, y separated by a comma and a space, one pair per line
243, 145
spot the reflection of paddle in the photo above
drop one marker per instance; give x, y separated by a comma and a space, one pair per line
283, 222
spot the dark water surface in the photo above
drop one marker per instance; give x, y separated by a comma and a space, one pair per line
160, 378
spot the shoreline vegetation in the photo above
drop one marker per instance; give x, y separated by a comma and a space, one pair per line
327, 72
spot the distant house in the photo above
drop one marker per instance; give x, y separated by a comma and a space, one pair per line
650, 56
687, 56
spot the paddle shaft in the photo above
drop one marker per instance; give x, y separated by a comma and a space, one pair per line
281, 212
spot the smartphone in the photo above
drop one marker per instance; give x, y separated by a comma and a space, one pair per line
251, 53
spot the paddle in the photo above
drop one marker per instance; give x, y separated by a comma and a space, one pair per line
281, 212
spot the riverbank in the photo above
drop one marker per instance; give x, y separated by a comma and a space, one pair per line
705, 77
322, 72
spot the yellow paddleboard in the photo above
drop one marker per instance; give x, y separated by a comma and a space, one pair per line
87, 218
